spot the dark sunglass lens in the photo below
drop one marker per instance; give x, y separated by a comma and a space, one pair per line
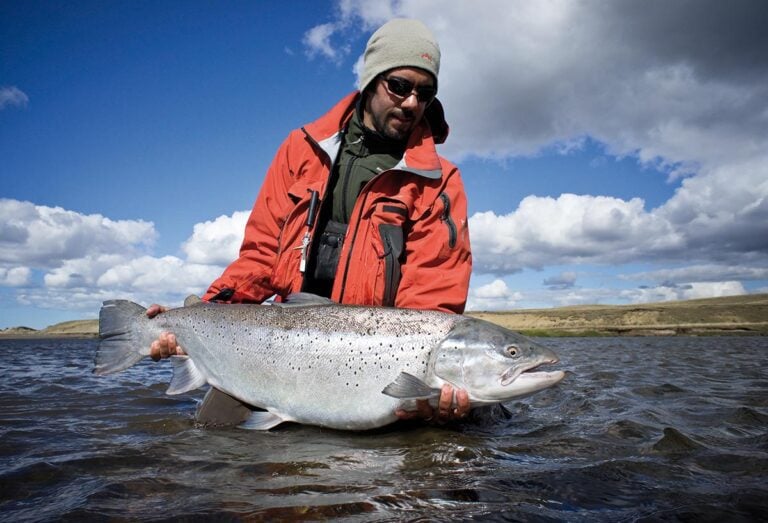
403, 88
399, 86
425, 94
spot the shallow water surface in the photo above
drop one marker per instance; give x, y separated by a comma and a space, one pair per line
641, 429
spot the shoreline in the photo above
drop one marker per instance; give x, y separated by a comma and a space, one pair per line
732, 315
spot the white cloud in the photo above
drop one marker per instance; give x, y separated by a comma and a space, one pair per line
84, 259
82, 272
14, 276
492, 296
318, 41
218, 241
45, 236
699, 273
568, 229
689, 291
165, 275
12, 97
498, 295
723, 211
564, 280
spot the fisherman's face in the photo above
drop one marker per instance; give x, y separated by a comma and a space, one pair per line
393, 114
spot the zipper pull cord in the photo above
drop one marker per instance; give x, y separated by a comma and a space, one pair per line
311, 216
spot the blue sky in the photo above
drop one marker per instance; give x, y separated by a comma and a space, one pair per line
611, 154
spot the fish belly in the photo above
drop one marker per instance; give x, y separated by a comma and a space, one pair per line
318, 376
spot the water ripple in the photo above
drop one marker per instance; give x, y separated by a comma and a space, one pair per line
641, 429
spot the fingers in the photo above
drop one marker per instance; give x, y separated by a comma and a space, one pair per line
155, 309
453, 404
444, 403
423, 411
165, 346
462, 403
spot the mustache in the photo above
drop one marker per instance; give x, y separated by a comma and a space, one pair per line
403, 114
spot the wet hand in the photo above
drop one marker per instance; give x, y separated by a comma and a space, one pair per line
166, 344
446, 410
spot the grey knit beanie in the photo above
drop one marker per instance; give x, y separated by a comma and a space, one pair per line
401, 42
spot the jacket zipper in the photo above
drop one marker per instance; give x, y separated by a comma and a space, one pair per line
345, 190
446, 218
389, 264
324, 198
361, 206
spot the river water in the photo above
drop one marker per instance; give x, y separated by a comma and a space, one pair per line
641, 429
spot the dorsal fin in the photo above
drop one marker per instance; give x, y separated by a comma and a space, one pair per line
192, 300
305, 299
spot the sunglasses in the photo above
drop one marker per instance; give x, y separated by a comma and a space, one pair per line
403, 88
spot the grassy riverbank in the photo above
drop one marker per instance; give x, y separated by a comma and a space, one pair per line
67, 329
746, 314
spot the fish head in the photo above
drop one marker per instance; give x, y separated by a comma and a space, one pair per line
492, 363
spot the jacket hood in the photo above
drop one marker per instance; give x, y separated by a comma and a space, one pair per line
435, 117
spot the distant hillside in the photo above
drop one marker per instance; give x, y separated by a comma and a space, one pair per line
746, 314
74, 329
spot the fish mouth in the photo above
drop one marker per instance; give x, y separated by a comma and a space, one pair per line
512, 373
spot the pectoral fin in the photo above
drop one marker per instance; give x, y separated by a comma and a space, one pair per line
408, 386
262, 420
186, 376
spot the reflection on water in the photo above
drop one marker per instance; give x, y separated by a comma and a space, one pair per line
641, 429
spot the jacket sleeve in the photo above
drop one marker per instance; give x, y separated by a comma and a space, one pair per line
247, 279
438, 261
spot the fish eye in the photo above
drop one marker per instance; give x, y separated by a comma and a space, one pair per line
512, 350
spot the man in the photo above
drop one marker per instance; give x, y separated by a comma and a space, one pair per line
357, 206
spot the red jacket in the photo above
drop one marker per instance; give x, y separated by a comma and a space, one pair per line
407, 244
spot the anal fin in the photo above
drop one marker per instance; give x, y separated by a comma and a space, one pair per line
262, 420
186, 376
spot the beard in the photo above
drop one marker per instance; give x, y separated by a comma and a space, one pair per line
395, 124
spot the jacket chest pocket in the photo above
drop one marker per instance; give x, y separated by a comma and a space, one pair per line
387, 234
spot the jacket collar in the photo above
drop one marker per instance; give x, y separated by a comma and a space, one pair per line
420, 156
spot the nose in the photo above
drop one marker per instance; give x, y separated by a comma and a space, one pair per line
410, 102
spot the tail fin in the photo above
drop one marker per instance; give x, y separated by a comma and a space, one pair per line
120, 346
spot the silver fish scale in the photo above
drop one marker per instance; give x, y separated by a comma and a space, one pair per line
299, 358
